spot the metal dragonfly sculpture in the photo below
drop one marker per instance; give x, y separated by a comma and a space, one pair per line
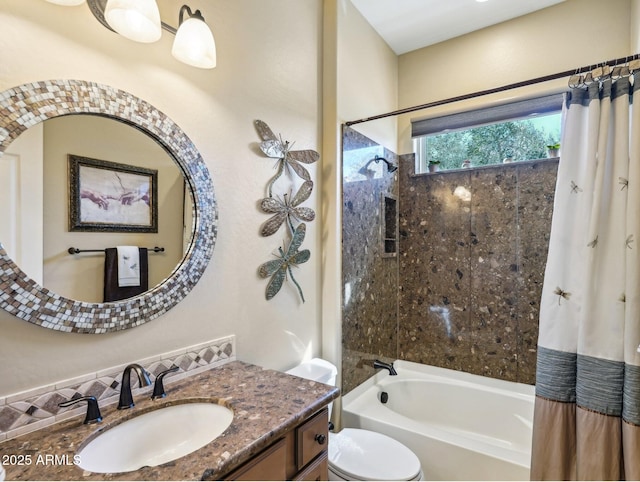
278, 268
285, 209
289, 159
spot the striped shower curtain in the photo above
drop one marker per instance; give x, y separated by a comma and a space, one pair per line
587, 409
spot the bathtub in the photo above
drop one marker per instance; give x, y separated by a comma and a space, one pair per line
461, 426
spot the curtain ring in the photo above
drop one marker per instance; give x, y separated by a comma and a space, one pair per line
574, 81
616, 73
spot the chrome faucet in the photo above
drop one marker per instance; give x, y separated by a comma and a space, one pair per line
386, 366
126, 398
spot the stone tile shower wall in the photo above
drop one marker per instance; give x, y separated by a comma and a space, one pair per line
464, 291
370, 280
473, 249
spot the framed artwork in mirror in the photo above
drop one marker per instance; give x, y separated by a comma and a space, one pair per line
108, 196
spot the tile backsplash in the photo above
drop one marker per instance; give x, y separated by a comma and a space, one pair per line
37, 408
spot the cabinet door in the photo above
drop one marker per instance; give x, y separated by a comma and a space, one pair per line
268, 465
312, 438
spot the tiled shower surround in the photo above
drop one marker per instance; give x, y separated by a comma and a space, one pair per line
466, 285
370, 280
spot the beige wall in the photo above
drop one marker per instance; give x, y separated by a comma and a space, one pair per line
268, 68
635, 26
81, 277
359, 76
21, 193
331, 182
367, 76
558, 38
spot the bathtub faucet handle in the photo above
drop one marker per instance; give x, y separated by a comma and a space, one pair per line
386, 366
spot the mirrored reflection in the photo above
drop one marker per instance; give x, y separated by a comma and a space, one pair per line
359, 164
35, 190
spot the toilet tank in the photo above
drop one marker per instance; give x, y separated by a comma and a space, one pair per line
318, 370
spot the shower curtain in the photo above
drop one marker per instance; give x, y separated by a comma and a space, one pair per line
587, 408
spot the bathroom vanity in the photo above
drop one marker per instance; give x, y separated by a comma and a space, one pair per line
278, 432
300, 454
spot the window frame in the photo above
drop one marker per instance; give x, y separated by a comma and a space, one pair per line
528, 108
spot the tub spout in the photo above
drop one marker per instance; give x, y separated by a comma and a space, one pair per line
386, 366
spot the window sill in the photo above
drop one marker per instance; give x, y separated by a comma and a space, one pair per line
489, 166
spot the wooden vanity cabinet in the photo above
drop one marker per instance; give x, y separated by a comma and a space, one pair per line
301, 454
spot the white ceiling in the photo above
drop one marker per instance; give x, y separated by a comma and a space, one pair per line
408, 25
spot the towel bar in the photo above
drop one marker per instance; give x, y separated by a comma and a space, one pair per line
72, 250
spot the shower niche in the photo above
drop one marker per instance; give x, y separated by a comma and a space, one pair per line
389, 226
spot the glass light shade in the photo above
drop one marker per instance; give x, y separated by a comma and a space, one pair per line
194, 44
67, 3
137, 20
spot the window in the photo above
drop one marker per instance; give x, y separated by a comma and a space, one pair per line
518, 131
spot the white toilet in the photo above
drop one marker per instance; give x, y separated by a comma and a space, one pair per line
358, 454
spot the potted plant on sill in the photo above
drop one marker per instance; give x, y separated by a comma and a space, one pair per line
434, 166
553, 150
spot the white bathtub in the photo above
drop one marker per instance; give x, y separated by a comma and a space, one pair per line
461, 426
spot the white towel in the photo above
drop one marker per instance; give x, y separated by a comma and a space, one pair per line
128, 266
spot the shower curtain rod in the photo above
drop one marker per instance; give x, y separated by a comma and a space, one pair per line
495, 90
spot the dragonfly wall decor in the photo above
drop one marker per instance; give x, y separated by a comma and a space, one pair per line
278, 268
276, 148
285, 209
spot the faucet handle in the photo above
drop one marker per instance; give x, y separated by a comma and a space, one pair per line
93, 410
158, 387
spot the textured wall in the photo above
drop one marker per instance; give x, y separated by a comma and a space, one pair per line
466, 284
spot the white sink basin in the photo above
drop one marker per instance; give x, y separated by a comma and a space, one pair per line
155, 438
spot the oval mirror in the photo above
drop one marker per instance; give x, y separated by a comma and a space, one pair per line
65, 116
70, 261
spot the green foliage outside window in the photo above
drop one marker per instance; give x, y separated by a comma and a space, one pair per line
519, 140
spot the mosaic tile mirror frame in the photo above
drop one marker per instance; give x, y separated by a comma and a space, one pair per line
29, 104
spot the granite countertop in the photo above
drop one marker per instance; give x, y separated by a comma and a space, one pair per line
266, 404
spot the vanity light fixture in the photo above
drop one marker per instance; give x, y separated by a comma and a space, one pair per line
194, 44
139, 20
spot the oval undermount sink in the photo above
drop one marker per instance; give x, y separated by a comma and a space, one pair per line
155, 438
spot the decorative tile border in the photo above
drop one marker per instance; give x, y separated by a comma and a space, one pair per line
38, 408
26, 105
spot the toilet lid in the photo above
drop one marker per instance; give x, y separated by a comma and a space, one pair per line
365, 455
